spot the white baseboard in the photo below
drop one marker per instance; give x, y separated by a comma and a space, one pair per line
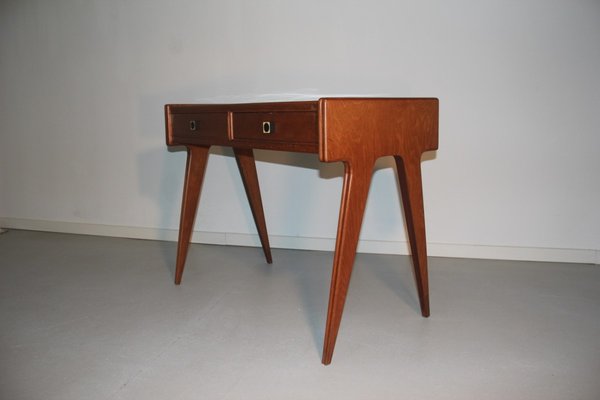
583, 256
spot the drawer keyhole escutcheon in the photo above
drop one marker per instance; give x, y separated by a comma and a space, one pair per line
267, 127
192, 125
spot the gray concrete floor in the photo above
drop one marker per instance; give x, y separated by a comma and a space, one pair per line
87, 317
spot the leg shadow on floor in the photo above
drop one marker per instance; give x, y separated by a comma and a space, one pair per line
397, 274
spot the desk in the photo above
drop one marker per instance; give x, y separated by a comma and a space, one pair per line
355, 131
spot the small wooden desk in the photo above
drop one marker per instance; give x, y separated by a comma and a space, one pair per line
356, 131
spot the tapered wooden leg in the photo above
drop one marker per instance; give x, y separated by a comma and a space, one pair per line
409, 176
357, 179
194, 175
247, 167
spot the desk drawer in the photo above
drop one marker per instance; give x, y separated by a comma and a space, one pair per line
294, 127
209, 126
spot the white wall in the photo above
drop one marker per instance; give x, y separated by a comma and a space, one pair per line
516, 176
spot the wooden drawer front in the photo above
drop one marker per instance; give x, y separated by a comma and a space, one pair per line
209, 126
293, 127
